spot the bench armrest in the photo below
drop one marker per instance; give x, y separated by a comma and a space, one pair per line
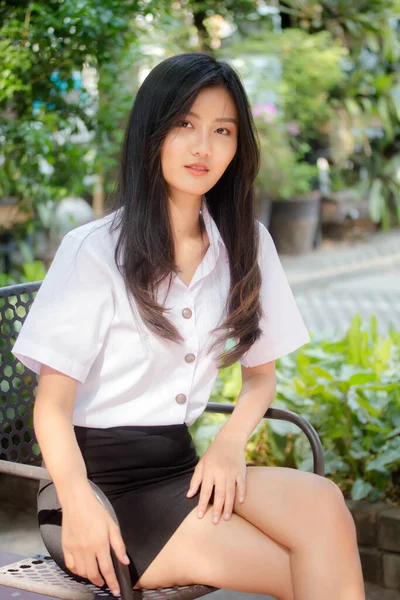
284, 415
38, 473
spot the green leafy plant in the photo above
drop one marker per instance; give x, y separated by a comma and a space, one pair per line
382, 187
28, 271
348, 388
284, 172
299, 118
369, 91
352, 391
310, 69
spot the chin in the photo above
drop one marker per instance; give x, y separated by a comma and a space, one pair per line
192, 190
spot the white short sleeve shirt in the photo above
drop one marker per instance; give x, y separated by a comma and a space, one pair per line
83, 324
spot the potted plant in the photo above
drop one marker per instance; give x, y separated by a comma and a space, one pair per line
286, 183
299, 71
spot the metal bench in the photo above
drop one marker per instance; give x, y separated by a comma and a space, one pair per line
20, 456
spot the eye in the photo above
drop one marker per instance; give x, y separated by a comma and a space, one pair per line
185, 124
227, 132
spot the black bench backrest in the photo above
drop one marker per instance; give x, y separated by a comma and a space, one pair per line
18, 384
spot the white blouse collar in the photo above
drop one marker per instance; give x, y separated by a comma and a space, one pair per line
213, 233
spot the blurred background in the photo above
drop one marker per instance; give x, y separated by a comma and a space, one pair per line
323, 80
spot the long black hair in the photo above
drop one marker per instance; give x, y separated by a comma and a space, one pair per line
145, 238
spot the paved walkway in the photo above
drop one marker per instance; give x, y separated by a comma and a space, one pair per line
333, 283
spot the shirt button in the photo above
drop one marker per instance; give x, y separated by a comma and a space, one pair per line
187, 313
190, 358
181, 398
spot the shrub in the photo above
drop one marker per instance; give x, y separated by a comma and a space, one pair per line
348, 388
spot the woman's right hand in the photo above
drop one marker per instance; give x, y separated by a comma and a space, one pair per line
87, 533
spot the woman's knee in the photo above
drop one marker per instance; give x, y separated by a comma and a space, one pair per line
330, 503
287, 504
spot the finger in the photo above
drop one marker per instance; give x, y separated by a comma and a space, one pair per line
117, 543
205, 494
107, 571
229, 498
79, 566
219, 499
196, 480
69, 560
241, 484
92, 570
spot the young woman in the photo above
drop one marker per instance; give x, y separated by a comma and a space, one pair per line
128, 331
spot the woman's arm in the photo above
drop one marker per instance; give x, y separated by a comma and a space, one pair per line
87, 529
223, 465
257, 393
52, 418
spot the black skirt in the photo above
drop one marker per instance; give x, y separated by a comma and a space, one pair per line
145, 472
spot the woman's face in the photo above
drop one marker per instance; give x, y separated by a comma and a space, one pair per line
198, 149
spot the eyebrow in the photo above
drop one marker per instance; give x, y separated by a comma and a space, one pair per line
219, 119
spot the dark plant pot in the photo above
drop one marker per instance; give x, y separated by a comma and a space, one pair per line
295, 224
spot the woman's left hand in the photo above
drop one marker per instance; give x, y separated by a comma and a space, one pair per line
223, 466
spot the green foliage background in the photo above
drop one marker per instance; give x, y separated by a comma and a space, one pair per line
348, 388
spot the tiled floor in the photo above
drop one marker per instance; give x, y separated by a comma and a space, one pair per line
331, 286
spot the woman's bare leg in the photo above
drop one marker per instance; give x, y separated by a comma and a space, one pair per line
307, 514
233, 555
305, 548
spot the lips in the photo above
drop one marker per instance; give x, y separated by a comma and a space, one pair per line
198, 167
195, 171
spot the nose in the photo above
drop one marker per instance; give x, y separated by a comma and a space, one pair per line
202, 145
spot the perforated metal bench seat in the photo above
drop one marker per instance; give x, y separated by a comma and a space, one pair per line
40, 574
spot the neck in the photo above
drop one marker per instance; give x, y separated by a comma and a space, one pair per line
185, 219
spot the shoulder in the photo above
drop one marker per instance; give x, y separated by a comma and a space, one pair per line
266, 244
98, 237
